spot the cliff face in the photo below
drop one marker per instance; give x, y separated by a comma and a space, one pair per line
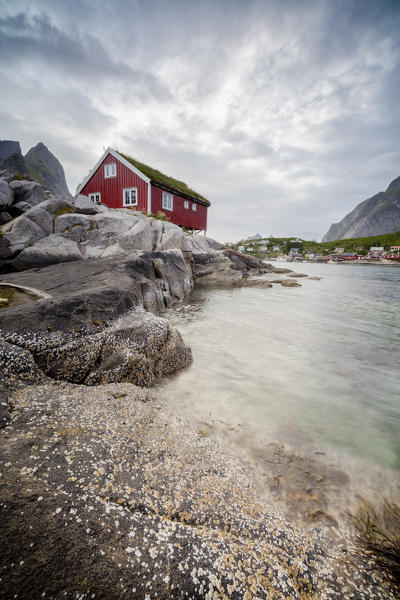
8, 147
374, 216
44, 167
39, 164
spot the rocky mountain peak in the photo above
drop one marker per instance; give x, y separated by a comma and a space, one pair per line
375, 216
47, 169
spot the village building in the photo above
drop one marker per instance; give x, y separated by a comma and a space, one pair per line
120, 181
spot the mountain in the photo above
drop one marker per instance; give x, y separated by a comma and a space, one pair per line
44, 167
374, 216
8, 147
39, 164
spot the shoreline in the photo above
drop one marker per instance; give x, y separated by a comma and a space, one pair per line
108, 487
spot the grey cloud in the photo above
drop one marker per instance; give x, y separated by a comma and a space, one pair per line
83, 58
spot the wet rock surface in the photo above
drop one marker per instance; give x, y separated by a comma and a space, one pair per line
105, 493
96, 327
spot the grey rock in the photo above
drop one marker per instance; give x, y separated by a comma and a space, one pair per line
214, 269
214, 245
43, 166
21, 232
50, 250
5, 250
6, 175
262, 283
6, 194
98, 290
4, 406
15, 164
17, 363
5, 217
290, 283
21, 206
377, 215
141, 236
172, 238
140, 348
118, 222
70, 220
85, 206
39, 215
28, 191
8, 147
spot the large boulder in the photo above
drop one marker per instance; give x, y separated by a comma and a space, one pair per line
69, 220
22, 232
214, 269
141, 236
28, 191
51, 250
140, 348
6, 195
85, 206
117, 222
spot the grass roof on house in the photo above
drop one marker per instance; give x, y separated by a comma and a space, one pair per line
169, 182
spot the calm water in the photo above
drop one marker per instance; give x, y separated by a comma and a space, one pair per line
324, 357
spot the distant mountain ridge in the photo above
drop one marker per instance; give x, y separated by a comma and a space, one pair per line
375, 216
38, 164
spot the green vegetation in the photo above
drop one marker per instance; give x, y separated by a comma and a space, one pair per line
18, 177
359, 245
158, 177
1, 234
6, 296
64, 210
160, 216
378, 536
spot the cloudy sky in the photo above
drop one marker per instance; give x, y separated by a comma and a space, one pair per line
285, 114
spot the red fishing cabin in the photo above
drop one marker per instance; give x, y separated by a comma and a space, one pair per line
120, 181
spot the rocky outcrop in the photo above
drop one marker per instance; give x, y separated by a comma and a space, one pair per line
95, 327
38, 164
44, 167
8, 147
374, 216
15, 164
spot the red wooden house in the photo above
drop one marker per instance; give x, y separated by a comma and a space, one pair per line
120, 181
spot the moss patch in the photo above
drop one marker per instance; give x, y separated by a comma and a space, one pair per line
64, 211
7, 296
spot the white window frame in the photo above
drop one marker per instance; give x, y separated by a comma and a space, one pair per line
186, 204
95, 197
194, 206
130, 203
168, 201
110, 170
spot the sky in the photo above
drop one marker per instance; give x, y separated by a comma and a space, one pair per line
284, 114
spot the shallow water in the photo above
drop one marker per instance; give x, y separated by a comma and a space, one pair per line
317, 363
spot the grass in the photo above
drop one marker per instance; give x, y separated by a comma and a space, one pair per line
160, 216
158, 177
377, 536
6, 297
64, 211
